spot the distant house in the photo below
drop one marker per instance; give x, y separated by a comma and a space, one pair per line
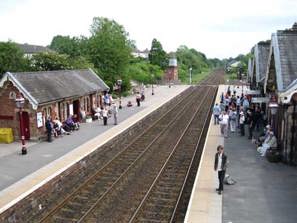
30, 50
281, 88
48, 93
141, 53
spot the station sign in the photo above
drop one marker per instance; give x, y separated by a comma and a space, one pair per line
253, 92
260, 99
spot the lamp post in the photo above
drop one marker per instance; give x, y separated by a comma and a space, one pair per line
153, 84
20, 104
119, 83
190, 72
273, 106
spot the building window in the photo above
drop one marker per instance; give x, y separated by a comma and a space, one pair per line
65, 110
88, 104
47, 112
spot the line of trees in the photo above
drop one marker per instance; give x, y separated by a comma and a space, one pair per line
108, 51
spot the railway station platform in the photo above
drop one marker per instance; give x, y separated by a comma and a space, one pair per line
264, 193
21, 175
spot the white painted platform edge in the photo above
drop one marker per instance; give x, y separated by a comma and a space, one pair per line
197, 176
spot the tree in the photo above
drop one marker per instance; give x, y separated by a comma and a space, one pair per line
191, 58
74, 47
54, 61
12, 58
144, 72
109, 50
157, 55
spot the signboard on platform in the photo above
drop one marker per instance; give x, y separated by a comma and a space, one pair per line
260, 100
71, 109
39, 119
253, 92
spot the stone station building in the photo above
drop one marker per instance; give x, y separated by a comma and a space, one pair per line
47, 93
277, 59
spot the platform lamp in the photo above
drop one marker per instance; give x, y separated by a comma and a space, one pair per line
119, 84
190, 74
153, 84
20, 101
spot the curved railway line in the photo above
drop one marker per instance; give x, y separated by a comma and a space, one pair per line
151, 178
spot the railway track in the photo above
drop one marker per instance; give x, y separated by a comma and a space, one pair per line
138, 181
161, 202
215, 78
75, 205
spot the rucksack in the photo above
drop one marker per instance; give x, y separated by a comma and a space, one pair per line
228, 180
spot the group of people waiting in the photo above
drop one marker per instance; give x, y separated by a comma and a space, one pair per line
106, 111
235, 112
57, 128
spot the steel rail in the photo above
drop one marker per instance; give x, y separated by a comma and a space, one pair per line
167, 160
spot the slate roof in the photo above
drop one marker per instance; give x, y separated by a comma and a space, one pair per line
250, 68
284, 47
32, 49
47, 86
261, 53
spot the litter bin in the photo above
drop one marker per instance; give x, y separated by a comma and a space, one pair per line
6, 135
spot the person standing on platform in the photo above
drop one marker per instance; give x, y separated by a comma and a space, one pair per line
220, 165
224, 120
115, 112
232, 118
216, 113
241, 122
49, 129
105, 115
138, 98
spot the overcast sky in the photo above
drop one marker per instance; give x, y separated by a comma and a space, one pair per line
218, 28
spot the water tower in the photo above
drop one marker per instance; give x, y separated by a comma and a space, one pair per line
171, 74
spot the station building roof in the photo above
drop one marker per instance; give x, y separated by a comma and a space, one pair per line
261, 54
43, 87
283, 59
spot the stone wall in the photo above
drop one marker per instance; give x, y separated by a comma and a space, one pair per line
9, 114
42, 200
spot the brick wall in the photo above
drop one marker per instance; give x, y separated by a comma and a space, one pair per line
8, 108
171, 74
59, 187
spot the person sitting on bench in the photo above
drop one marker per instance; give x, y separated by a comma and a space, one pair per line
270, 142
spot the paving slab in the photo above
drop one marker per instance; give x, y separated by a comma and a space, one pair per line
264, 192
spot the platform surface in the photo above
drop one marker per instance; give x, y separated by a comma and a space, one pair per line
264, 193
20, 175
